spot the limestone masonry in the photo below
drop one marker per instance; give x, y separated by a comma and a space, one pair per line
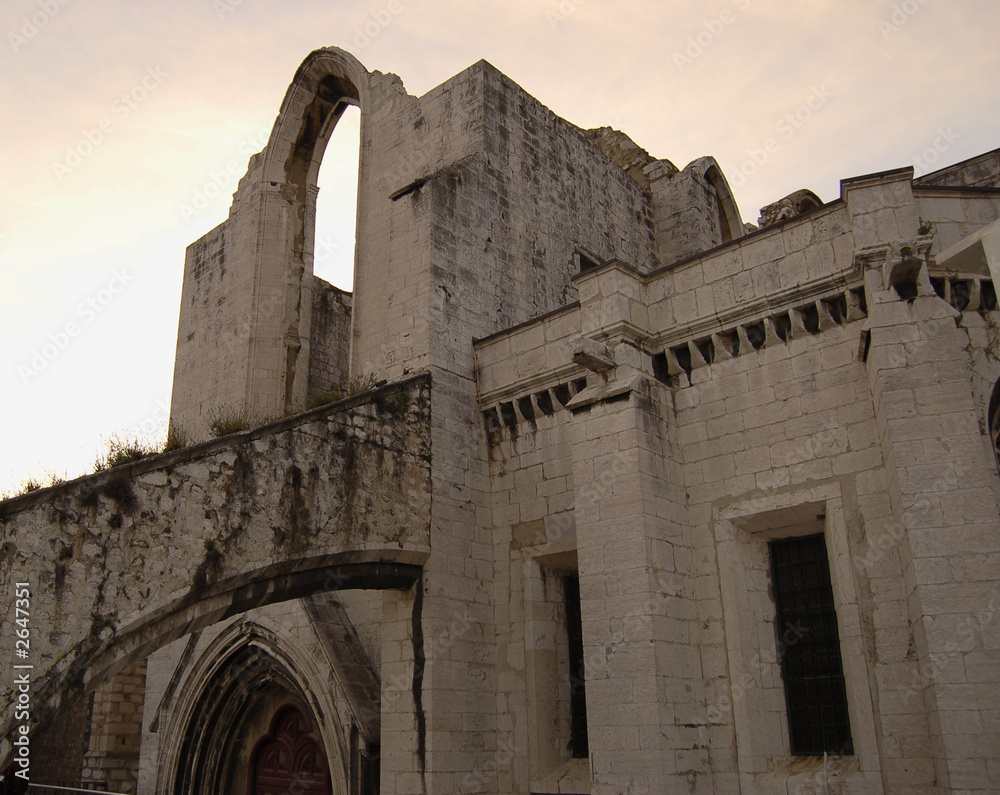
617, 493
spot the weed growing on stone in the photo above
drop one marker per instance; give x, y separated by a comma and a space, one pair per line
355, 385
176, 439
123, 451
228, 419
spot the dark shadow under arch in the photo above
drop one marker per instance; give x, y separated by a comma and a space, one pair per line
994, 423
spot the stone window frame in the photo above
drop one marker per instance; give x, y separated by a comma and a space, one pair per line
547, 682
754, 696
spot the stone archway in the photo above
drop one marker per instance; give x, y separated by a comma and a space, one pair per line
256, 708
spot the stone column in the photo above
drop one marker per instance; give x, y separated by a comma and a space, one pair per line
116, 730
643, 679
944, 511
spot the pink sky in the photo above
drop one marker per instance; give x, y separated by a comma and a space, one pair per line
127, 125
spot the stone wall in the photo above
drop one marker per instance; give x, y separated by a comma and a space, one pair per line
819, 382
116, 730
978, 172
331, 338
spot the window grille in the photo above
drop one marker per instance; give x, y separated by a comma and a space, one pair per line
809, 644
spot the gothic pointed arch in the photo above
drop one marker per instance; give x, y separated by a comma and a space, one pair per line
234, 697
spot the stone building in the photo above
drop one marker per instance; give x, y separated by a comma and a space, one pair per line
637, 497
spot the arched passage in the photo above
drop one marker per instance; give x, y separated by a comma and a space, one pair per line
255, 705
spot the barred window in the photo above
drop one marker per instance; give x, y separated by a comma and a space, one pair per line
811, 665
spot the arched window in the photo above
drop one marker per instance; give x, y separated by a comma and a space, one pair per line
337, 203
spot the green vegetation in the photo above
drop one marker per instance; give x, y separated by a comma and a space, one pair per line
228, 419
355, 385
29, 485
176, 440
123, 451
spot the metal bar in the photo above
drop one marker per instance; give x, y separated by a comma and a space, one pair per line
41, 788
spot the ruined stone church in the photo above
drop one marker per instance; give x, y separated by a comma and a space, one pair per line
635, 496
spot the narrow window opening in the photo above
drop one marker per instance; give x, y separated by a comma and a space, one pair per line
561, 391
707, 349
783, 326
544, 401
809, 645
731, 341
683, 355
988, 296
577, 691
810, 318
862, 299
585, 262
337, 203
961, 294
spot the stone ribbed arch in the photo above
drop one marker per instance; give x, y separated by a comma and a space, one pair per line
694, 209
730, 223
247, 658
327, 82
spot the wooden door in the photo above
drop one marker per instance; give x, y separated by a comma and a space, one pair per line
289, 760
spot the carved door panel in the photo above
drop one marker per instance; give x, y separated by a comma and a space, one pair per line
289, 760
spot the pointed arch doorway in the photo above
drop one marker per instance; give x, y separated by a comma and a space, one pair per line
289, 758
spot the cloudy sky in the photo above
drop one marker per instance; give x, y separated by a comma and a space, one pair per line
127, 124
